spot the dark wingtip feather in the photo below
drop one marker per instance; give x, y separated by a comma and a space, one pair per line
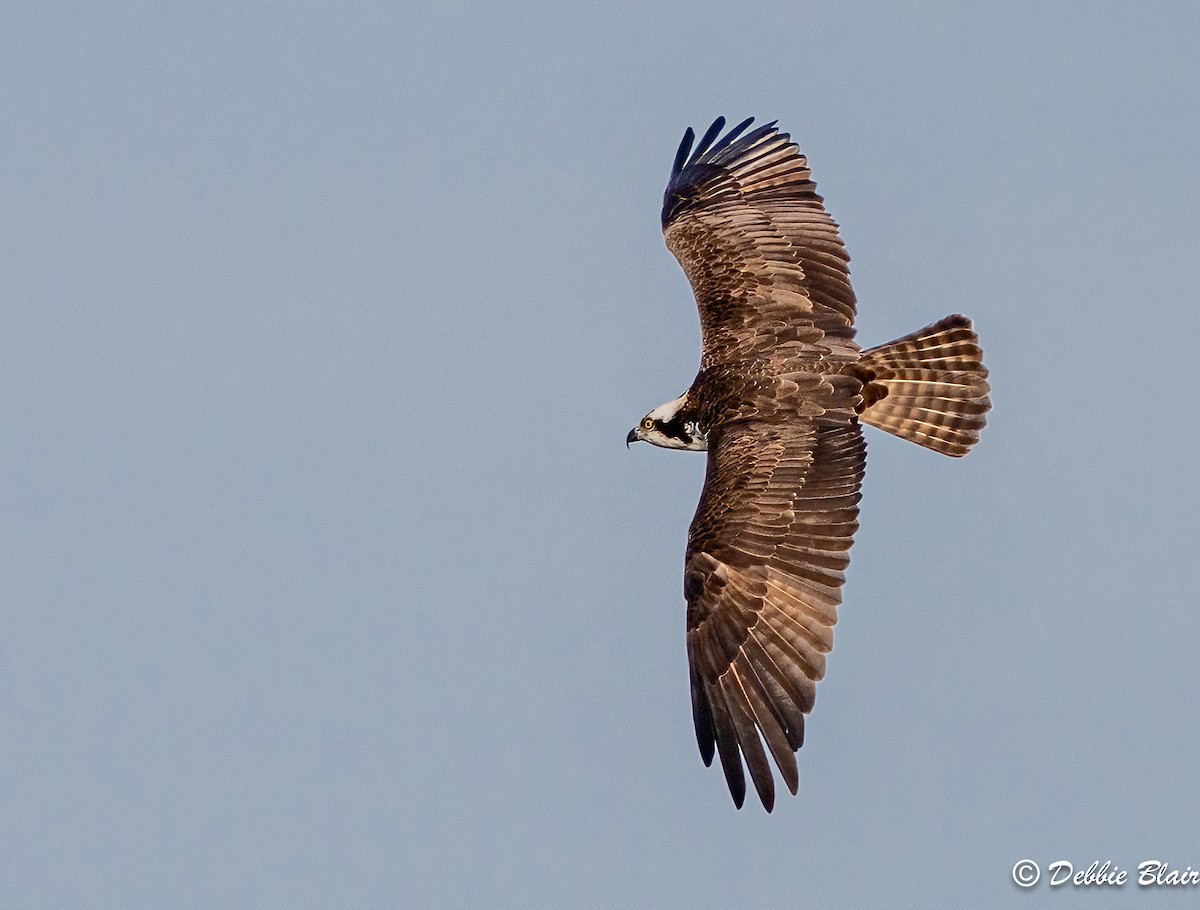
728, 138
795, 736
706, 740
711, 134
694, 166
706, 737
737, 791
727, 745
685, 146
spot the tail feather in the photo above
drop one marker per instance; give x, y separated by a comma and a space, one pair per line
929, 387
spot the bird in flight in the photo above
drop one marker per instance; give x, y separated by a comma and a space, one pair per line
778, 405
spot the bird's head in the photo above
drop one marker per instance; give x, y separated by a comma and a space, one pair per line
672, 426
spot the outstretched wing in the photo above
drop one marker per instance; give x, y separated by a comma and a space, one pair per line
769, 271
765, 561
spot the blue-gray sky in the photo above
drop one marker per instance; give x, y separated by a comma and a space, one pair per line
327, 579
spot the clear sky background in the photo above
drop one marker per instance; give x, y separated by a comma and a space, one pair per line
326, 577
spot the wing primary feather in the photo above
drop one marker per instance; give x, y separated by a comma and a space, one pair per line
748, 142
702, 717
727, 743
740, 712
685, 146
707, 140
770, 720
785, 698
728, 138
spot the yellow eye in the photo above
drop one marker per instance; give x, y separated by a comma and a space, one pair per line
647, 424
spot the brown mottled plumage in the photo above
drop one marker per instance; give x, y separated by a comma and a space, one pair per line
777, 403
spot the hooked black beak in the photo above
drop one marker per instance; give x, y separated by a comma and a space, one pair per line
632, 437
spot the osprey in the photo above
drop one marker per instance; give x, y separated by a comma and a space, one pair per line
778, 402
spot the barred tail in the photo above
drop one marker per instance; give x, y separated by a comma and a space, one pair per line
929, 387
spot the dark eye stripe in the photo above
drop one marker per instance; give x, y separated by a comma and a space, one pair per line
676, 429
